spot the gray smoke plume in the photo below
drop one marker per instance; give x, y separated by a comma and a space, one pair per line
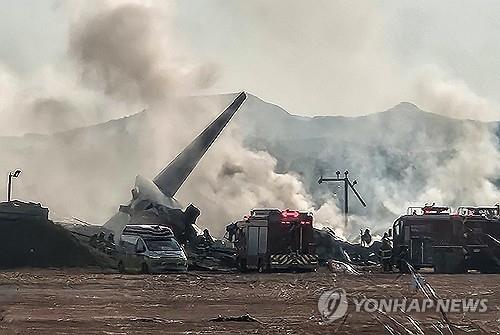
124, 53
124, 61
124, 57
468, 177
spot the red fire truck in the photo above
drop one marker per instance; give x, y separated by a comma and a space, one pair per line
272, 239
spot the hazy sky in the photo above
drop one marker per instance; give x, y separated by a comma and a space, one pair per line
311, 57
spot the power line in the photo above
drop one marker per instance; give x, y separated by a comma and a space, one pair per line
347, 184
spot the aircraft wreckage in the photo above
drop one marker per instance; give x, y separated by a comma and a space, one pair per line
153, 201
153, 204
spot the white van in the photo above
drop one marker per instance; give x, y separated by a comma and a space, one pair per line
150, 249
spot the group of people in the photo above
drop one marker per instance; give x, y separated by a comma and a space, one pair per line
103, 243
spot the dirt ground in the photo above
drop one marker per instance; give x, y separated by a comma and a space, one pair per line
80, 301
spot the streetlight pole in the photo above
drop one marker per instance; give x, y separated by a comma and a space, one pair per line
12, 174
347, 184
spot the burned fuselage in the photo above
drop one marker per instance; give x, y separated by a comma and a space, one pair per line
153, 201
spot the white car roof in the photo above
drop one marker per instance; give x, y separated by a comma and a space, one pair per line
141, 230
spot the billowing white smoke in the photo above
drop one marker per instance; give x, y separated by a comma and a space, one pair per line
361, 57
435, 91
122, 58
467, 178
233, 180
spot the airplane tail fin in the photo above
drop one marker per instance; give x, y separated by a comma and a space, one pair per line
170, 179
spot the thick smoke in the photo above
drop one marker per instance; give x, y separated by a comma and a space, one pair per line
234, 180
123, 57
355, 58
468, 177
142, 69
460, 170
125, 52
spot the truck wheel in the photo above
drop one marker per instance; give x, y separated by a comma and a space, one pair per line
461, 268
121, 268
449, 261
403, 267
489, 270
262, 267
144, 268
450, 269
441, 267
243, 265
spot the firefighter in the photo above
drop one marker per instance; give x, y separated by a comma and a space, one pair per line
386, 253
366, 238
231, 232
110, 243
101, 241
101, 237
208, 238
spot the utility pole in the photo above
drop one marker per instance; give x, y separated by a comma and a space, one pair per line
12, 174
347, 184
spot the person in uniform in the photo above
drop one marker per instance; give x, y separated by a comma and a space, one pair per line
208, 238
386, 253
366, 238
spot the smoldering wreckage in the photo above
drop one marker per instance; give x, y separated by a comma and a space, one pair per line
152, 233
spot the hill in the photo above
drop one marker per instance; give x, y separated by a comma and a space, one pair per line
395, 155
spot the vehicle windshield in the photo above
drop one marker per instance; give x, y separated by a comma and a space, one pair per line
163, 245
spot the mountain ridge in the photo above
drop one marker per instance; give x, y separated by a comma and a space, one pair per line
401, 109
391, 152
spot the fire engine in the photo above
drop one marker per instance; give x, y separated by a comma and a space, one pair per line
434, 237
482, 235
272, 239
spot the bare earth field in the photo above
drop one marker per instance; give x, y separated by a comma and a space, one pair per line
76, 301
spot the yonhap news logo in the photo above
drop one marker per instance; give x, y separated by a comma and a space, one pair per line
333, 305
415, 305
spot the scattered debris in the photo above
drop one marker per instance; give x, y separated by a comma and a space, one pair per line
241, 318
330, 247
342, 267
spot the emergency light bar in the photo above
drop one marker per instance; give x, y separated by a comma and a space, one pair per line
290, 214
478, 210
427, 209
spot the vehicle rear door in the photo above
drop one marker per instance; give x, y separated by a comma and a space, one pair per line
137, 258
421, 243
128, 244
